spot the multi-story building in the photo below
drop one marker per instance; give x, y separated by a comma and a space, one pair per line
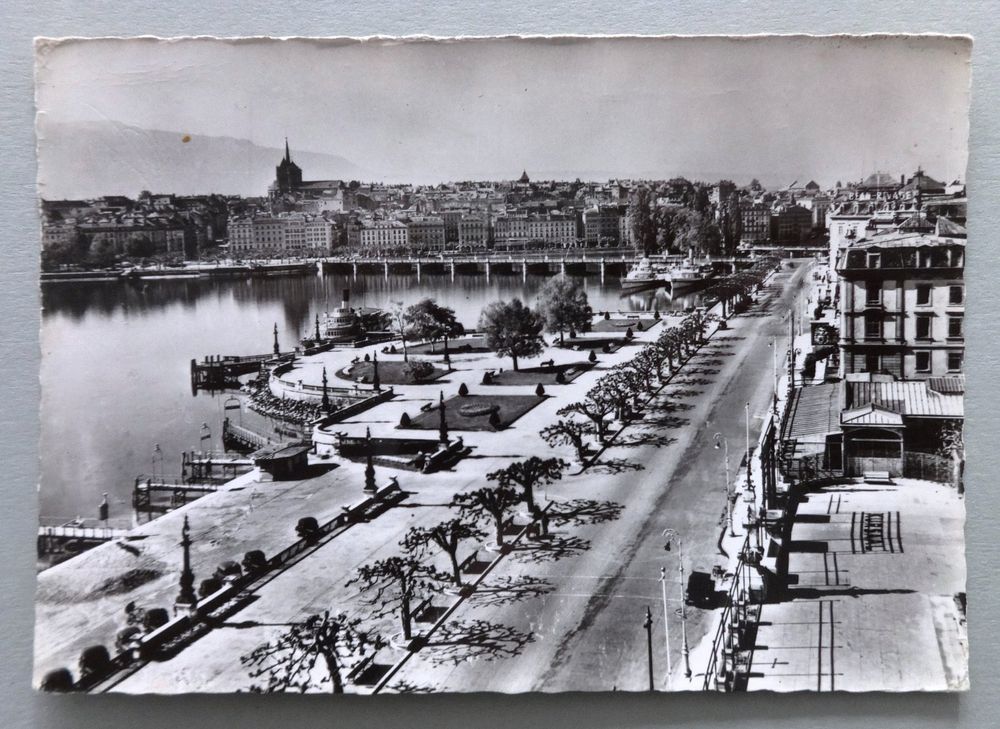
526, 231
755, 223
426, 234
163, 235
59, 233
452, 220
720, 193
791, 225
902, 302
601, 225
384, 235
320, 237
284, 235
474, 232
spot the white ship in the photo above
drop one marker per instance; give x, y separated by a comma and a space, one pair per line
343, 323
689, 274
646, 273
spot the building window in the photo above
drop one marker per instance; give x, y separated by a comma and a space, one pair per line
873, 292
955, 327
873, 327
923, 326
874, 260
956, 294
872, 363
923, 294
923, 361
954, 361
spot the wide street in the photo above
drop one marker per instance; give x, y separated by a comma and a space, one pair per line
572, 615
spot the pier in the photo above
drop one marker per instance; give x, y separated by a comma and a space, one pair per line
242, 438
158, 497
75, 536
207, 466
216, 371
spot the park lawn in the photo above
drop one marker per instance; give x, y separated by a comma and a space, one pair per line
510, 408
389, 373
544, 375
460, 345
620, 325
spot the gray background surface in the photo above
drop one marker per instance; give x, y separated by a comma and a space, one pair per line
20, 20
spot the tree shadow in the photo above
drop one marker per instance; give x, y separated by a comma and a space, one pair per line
616, 465
657, 440
469, 640
668, 421
549, 549
407, 687
681, 394
670, 404
693, 381
703, 371
508, 589
580, 512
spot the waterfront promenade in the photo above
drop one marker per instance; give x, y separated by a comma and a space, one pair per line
566, 614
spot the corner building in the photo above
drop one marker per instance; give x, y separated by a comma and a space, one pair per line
902, 299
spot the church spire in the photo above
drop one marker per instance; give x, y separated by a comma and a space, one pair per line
288, 155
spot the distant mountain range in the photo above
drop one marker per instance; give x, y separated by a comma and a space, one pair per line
94, 158
90, 159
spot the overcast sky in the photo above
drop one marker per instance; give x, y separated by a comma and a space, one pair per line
777, 108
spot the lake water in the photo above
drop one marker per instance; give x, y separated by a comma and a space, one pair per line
115, 373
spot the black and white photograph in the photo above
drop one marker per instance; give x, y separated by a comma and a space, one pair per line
518, 364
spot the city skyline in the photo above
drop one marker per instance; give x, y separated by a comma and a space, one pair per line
475, 110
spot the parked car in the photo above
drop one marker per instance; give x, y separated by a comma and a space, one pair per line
700, 590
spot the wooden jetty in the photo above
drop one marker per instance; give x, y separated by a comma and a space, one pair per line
216, 371
157, 497
208, 466
75, 536
242, 438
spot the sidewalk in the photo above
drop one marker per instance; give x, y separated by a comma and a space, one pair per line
875, 575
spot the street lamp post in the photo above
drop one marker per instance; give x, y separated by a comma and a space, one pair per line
666, 622
684, 633
672, 536
648, 625
774, 374
719, 438
749, 480
186, 598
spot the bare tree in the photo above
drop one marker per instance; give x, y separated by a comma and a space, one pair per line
488, 502
391, 585
447, 536
528, 474
568, 432
595, 407
309, 655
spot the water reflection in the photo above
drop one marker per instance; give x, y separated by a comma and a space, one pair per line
115, 365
